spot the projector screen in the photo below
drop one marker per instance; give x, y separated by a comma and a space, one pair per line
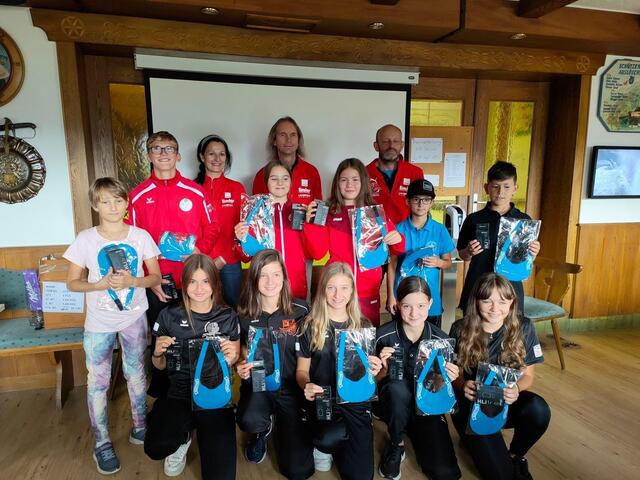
338, 119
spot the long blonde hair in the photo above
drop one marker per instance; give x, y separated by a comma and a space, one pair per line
317, 322
472, 347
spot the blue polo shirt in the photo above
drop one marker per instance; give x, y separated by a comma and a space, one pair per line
436, 241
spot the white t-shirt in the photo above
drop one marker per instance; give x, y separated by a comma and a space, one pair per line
89, 250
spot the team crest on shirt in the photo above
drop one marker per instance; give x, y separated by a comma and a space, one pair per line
375, 188
304, 182
185, 205
406, 181
149, 200
227, 194
184, 323
288, 327
212, 328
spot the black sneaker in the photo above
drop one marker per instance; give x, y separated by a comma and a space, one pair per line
256, 449
521, 468
391, 460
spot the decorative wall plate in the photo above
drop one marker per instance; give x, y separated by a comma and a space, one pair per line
11, 68
22, 170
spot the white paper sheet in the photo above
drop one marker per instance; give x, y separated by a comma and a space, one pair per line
455, 169
434, 179
426, 150
57, 299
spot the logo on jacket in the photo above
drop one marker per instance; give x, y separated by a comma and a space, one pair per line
150, 200
375, 188
184, 323
227, 194
288, 327
185, 205
406, 181
304, 182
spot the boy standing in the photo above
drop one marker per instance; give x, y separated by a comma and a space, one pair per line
424, 234
116, 306
168, 203
501, 186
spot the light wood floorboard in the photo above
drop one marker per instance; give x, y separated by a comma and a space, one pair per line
594, 431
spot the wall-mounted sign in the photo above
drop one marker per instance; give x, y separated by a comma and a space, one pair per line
11, 68
619, 101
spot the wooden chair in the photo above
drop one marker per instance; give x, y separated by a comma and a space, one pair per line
551, 285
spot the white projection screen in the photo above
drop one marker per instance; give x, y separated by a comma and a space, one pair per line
338, 119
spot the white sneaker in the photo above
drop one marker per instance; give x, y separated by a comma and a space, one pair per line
322, 461
174, 464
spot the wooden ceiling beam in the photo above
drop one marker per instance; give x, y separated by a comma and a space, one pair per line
114, 30
539, 8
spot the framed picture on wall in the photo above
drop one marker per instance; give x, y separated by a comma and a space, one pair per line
615, 172
11, 68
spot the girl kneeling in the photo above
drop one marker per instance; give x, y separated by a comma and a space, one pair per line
172, 419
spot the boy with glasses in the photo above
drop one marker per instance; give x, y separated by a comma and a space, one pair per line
170, 205
428, 249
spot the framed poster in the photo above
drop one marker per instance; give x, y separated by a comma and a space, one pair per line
619, 99
11, 68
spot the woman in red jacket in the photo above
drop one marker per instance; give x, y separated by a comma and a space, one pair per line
224, 196
292, 244
350, 189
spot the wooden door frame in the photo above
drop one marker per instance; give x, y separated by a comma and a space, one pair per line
505, 90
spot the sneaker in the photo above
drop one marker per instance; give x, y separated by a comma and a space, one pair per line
137, 436
174, 464
106, 459
322, 461
256, 449
391, 460
521, 468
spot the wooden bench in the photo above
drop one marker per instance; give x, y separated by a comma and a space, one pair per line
17, 337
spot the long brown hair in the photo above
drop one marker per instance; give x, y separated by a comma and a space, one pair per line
273, 164
250, 302
318, 319
364, 198
472, 346
198, 261
271, 139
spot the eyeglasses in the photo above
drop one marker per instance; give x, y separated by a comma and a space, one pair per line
157, 149
420, 201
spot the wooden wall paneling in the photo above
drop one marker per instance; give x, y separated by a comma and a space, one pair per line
563, 171
77, 131
99, 109
610, 280
65, 27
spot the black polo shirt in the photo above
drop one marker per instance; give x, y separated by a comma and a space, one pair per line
173, 322
323, 362
529, 337
392, 334
485, 261
286, 328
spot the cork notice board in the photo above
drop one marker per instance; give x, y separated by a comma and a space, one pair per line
444, 154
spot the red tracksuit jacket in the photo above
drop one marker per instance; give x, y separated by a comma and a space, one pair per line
177, 205
294, 246
224, 195
305, 183
338, 238
394, 201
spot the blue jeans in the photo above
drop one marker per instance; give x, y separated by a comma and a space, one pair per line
230, 276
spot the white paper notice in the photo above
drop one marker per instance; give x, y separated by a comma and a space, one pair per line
434, 179
57, 299
426, 150
455, 169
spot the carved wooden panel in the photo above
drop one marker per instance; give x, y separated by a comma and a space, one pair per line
164, 34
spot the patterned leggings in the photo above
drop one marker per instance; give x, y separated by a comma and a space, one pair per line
98, 348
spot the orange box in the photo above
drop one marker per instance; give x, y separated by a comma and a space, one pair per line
55, 269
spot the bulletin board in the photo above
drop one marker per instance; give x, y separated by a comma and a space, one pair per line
445, 156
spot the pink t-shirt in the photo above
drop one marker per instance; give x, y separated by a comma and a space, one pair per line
89, 250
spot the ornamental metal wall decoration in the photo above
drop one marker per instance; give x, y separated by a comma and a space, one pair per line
22, 170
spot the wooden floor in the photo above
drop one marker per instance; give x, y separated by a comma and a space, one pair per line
594, 431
